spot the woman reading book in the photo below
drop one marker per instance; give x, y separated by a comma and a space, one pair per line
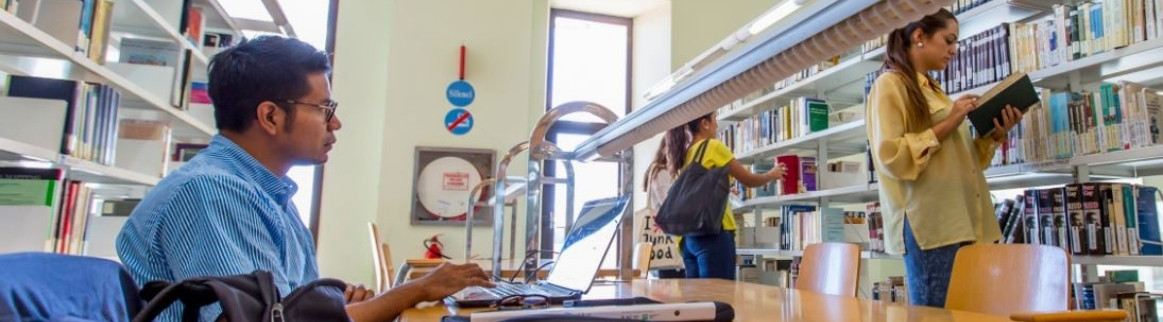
710, 256
933, 192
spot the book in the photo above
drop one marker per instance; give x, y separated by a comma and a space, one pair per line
1150, 242
56, 89
1016, 90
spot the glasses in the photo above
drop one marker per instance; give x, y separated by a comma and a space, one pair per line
521, 302
328, 108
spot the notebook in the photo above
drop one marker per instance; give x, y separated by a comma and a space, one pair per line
575, 269
1016, 90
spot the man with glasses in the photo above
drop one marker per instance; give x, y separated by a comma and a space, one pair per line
228, 211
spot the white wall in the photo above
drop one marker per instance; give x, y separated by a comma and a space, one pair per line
350, 195
697, 25
394, 60
651, 56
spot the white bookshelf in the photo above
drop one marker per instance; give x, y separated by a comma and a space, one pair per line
779, 253
1152, 261
831, 79
27, 50
1141, 62
1146, 261
19, 151
140, 18
92, 172
842, 140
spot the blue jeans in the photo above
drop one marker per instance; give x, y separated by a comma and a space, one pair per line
710, 256
927, 271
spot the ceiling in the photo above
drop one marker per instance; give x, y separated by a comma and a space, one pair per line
618, 8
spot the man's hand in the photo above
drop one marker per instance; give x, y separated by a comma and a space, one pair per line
449, 278
357, 293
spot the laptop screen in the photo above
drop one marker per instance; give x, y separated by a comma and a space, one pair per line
586, 244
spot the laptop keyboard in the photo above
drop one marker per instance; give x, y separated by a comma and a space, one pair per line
503, 290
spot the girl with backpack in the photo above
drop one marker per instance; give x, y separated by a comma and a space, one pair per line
713, 255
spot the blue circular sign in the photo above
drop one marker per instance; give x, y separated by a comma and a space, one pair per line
458, 121
460, 93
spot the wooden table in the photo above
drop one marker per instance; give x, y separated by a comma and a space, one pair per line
420, 267
754, 302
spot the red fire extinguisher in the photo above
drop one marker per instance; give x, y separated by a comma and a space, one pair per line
435, 248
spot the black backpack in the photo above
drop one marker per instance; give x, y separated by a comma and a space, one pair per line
696, 200
250, 297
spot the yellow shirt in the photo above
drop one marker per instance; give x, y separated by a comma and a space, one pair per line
717, 155
939, 184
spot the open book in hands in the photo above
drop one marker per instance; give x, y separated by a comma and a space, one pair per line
1016, 90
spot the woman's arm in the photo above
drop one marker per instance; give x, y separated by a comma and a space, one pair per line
751, 179
896, 153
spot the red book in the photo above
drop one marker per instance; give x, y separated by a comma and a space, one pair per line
790, 183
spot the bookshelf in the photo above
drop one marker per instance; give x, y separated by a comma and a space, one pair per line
91, 172
26, 50
140, 18
842, 140
776, 253
11, 150
136, 98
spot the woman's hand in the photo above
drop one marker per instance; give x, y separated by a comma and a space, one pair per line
1010, 117
964, 104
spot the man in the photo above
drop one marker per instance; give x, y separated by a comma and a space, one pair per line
229, 211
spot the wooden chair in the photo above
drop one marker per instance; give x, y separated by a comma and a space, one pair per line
1015, 279
382, 257
642, 258
830, 268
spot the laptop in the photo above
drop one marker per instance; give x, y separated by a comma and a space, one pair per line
575, 269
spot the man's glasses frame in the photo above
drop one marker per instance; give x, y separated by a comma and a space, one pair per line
328, 107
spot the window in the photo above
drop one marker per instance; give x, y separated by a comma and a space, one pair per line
589, 60
317, 30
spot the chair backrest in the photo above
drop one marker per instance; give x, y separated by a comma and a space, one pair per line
54, 287
382, 259
830, 268
642, 258
1035, 279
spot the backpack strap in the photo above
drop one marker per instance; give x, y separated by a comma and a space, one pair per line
700, 152
161, 295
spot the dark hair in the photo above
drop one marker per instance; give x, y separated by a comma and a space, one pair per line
899, 42
266, 68
678, 140
658, 164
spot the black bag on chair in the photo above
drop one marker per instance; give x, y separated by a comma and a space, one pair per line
696, 200
250, 297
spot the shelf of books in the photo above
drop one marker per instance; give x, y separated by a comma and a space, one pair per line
826, 77
107, 98
1098, 126
24, 48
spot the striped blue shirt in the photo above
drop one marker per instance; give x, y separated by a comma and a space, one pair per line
222, 213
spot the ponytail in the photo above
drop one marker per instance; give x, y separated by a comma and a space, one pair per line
679, 141
898, 61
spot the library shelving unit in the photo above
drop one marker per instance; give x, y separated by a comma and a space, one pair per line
31, 45
750, 71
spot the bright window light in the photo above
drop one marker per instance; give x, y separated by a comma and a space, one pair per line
309, 19
251, 34
246, 9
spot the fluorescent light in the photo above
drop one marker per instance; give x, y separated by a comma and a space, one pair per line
667, 83
246, 9
771, 16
